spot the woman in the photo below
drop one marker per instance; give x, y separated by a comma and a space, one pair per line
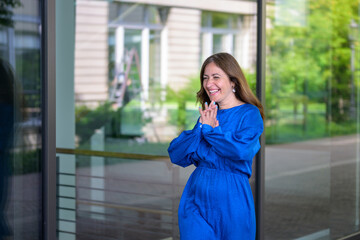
217, 201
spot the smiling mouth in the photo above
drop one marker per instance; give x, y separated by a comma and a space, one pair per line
213, 92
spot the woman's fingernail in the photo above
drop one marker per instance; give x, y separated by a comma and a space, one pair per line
214, 102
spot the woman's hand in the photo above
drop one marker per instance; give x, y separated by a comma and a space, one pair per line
208, 115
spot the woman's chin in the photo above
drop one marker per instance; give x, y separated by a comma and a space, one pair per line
213, 99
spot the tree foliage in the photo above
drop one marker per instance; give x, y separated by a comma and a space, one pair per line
312, 62
181, 97
6, 12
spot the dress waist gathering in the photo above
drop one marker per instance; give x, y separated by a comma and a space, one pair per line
238, 173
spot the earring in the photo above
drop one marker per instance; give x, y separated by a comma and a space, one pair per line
233, 90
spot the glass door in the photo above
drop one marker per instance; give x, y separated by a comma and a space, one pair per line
312, 134
120, 68
21, 124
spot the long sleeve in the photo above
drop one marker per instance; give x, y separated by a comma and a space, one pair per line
182, 148
242, 144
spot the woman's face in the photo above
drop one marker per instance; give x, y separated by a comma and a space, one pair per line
218, 85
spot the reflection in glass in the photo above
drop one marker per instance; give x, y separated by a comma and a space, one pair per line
205, 19
312, 133
133, 13
223, 33
3, 43
218, 43
154, 15
7, 112
20, 137
235, 22
134, 85
135, 81
220, 20
155, 90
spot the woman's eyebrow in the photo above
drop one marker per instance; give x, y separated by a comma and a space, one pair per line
213, 74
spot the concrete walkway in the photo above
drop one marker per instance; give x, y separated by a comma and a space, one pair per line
312, 192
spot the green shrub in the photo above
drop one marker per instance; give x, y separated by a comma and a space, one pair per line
25, 162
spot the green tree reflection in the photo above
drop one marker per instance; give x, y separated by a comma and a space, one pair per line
309, 69
6, 12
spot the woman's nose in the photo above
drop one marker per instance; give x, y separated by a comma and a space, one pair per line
209, 82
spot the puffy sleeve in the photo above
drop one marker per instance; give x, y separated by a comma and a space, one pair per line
182, 148
241, 144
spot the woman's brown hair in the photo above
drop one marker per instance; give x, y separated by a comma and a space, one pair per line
231, 67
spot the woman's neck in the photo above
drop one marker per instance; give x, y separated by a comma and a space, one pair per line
230, 104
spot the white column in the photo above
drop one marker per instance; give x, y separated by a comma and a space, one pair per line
145, 63
207, 45
228, 43
119, 49
164, 61
243, 48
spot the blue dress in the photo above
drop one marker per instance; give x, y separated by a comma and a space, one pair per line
217, 201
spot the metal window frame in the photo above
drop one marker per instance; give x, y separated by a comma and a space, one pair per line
260, 92
48, 120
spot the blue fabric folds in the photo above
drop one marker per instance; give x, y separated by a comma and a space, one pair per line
217, 201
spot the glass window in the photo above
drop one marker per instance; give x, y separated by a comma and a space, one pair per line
3, 43
154, 15
111, 50
312, 134
124, 95
20, 117
132, 13
27, 50
205, 19
131, 102
218, 43
219, 20
218, 34
155, 67
235, 22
